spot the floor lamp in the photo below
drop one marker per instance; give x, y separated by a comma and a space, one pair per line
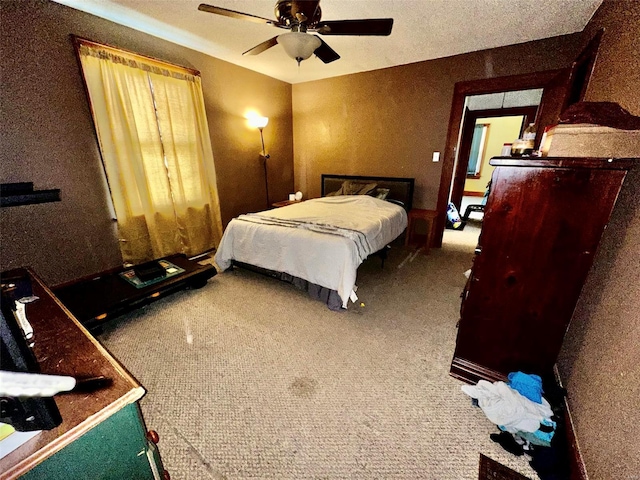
260, 123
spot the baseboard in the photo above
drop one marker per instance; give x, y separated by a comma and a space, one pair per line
578, 468
473, 194
471, 372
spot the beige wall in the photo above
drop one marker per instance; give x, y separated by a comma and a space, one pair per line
501, 130
600, 360
48, 138
389, 122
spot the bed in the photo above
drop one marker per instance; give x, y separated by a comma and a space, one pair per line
318, 244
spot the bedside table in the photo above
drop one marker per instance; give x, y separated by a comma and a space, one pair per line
427, 216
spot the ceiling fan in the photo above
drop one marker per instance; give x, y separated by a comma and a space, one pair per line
301, 17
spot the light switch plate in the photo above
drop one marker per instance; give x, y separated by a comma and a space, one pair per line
436, 156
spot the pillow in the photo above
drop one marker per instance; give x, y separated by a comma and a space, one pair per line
349, 187
380, 193
365, 188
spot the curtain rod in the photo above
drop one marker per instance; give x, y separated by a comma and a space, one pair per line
84, 41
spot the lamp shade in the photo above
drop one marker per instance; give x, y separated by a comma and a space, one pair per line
258, 122
299, 46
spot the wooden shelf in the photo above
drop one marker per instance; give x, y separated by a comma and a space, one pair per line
22, 193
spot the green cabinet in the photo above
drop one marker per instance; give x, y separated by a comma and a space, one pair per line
115, 449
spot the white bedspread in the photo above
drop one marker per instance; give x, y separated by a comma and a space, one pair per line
325, 242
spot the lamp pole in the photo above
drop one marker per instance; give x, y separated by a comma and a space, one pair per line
264, 156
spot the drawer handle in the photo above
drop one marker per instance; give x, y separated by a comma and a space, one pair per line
153, 436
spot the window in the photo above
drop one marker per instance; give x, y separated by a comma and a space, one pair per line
154, 140
477, 149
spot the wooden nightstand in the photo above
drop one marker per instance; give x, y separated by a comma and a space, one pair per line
428, 216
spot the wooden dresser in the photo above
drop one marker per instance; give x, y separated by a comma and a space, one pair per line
102, 434
542, 224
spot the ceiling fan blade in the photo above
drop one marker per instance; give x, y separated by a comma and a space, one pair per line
373, 26
272, 42
325, 53
238, 15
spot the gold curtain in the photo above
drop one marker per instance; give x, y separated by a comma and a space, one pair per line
153, 134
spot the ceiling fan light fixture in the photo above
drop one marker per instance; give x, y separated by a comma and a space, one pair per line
299, 46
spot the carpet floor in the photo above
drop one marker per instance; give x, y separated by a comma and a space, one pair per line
250, 378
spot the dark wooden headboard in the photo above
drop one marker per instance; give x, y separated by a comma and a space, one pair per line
400, 189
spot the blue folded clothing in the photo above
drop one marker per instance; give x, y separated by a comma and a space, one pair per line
527, 385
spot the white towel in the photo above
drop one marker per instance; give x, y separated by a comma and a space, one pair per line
506, 407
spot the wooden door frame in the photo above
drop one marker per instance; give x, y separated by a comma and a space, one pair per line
468, 123
573, 80
461, 91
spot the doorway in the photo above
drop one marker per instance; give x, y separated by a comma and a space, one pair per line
537, 80
489, 136
561, 88
485, 132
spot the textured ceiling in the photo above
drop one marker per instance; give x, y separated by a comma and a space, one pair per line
423, 29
